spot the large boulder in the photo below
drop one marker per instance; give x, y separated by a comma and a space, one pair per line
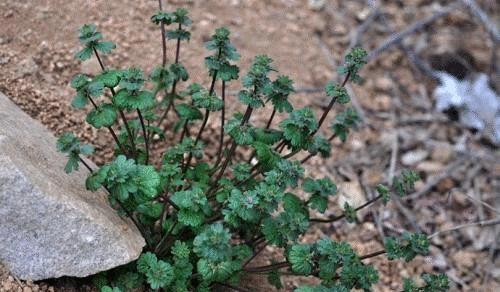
50, 225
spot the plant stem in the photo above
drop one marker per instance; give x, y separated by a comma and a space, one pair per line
245, 119
164, 238
285, 264
311, 155
269, 122
85, 164
266, 268
373, 254
330, 106
163, 40
223, 113
144, 133
122, 115
174, 85
368, 203
122, 149
204, 124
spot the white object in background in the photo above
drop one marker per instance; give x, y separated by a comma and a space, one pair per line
477, 103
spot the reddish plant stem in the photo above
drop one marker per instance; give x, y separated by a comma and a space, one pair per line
204, 124
285, 264
163, 40
178, 47
86, 164
145, 134
245, 119
367, 203
311, 155
270, 121
223, 113
330, 106
111, 131
122, 115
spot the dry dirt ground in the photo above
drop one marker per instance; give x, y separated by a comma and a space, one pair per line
460, 171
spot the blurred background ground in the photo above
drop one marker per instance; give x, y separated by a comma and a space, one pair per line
460, 167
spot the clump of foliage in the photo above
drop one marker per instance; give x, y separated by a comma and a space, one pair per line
205, 219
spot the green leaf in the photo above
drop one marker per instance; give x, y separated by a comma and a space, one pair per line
405, 182
281, 88
202, 99
162, 17
109, 289
181, 34
297, 129
105, 47
95, 89
411, 245
384, 192
250, 98
147, 180
80, 81
72, 163
338, 92
354, 61
160, 274
80, 100
180, 250
84, 54
151, 209
433, 283
89, 35
188, 112
145, 261
132, 79
274, 279
102, 116
213, 243
343, 122
69, 144
350, 213
142, 100
109, 78
300, 258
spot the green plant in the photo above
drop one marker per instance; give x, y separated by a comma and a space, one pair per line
205, 219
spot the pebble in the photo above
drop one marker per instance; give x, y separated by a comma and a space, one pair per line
383, 83
442, 153
317, 5
26, 67
464, 259
430, 166
414, 157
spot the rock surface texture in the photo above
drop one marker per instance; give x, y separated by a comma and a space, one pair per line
50, 225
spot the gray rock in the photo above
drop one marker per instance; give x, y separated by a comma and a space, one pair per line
50, 225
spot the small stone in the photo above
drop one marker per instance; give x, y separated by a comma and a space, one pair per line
464, 259
26, 67
430, 166
442, 153
445, 185
414, 157
317, 5
27, 289
351, 193
339, 30
363, 14
383, 83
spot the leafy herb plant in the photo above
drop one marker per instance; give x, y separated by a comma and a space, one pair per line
206, 218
